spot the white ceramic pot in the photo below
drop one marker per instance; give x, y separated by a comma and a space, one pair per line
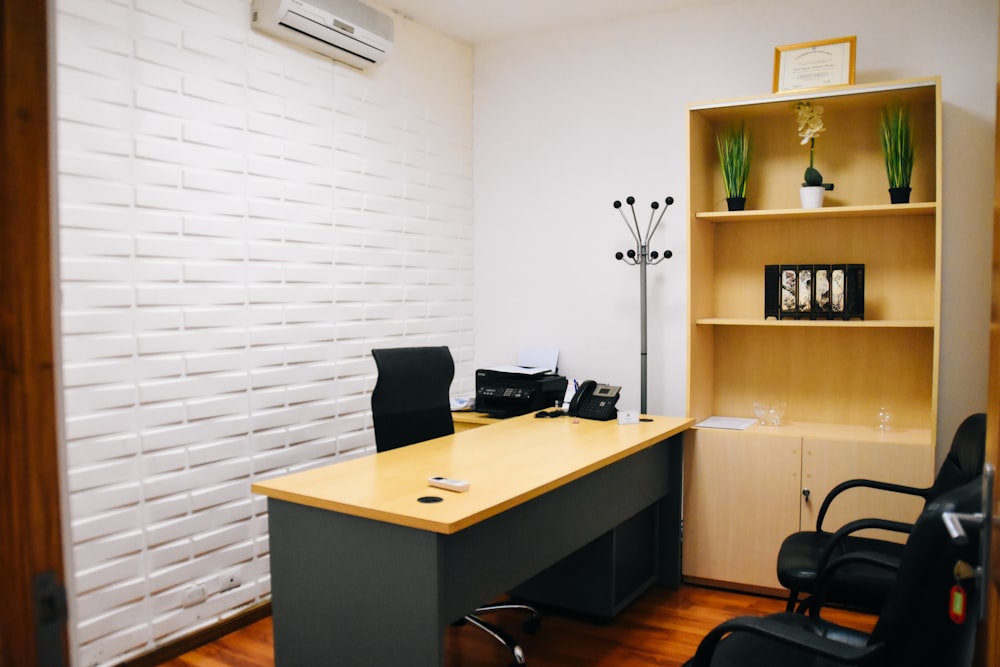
812, 196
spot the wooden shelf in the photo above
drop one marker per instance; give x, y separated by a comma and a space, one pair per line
826, 369
825, 213
846, 432
833, 324
860, 94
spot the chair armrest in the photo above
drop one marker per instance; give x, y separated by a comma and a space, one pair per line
826, 574
866, 483
773, 628
854, 526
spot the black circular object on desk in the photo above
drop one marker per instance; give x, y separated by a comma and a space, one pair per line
430, 499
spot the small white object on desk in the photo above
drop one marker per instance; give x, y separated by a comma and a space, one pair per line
628, 416
457, 485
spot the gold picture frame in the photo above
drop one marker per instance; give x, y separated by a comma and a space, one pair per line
820, 64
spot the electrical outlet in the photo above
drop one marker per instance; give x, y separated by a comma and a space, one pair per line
230, 579
193, 595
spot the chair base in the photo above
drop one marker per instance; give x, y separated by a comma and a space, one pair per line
530, 626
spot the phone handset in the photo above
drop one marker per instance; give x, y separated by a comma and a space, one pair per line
585, 388
595, 401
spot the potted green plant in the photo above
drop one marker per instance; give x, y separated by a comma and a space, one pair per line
733, 145
898, 148
810, 122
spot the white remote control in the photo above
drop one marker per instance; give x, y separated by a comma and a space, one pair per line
450, 484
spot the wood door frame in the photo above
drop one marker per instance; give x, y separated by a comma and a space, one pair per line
989, 645
30, 471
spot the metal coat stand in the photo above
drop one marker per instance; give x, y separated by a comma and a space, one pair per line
642, 257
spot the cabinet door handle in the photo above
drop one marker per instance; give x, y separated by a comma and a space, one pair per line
805, 494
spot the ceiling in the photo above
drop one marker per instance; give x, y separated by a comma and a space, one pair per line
478, 21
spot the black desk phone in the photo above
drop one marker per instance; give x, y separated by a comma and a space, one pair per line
595, 401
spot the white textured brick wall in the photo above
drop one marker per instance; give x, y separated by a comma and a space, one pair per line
241, 221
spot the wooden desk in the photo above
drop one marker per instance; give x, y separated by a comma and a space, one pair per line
362, 573
469, 419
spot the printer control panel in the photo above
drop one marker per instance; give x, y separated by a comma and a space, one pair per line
506, 392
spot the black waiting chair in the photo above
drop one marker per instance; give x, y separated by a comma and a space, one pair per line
804, 554
410, 404
915, 625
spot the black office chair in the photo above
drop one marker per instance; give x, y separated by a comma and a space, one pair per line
410, 404
914, 627
804, 554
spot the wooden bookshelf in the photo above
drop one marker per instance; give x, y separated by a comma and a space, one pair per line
832, 374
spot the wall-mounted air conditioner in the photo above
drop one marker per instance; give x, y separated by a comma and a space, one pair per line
346, 30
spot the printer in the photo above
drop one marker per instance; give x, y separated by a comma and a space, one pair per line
508, 394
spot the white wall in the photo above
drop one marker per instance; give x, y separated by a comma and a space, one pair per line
569, 121
240, 222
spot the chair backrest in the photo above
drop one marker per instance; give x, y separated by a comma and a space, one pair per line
965, 458
915, 621
410, 402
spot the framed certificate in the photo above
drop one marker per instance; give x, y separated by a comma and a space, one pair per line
828, 62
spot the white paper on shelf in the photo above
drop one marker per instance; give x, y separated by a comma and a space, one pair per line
730, 423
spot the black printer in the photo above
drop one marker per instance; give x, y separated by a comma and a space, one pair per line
507, 394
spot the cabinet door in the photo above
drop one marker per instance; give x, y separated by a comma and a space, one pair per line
826, 463
740, 502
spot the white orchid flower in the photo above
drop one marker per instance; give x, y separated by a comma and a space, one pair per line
810, 120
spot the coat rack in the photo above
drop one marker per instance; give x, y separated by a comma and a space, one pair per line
642, 257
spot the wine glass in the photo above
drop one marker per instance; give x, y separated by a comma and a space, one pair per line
776, 413
884, 419
760, 410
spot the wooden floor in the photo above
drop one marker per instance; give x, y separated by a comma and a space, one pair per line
661, 628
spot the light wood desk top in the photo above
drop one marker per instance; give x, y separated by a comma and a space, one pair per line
473, 417
506, 464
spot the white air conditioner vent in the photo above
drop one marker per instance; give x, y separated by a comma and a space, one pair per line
346, 30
